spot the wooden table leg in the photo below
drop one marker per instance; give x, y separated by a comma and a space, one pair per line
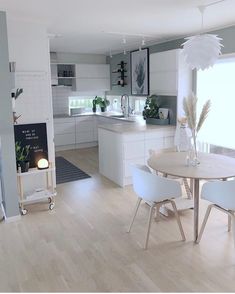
196, 207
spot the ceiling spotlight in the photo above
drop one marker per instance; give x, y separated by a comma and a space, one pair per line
124, 40
124, 51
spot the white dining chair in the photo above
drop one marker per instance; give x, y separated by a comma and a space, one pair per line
156, 191
222, 195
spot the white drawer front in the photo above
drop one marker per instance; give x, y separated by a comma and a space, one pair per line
157, 145
133, 137
64, 128
84, 126
169, 142
128, 163
64, 139
84, 137
63, 120
133, 149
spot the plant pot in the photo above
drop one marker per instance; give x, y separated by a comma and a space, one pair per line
94, 109
103, 108
23, 166
157, 121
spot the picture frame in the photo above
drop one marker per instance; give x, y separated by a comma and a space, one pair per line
140, 72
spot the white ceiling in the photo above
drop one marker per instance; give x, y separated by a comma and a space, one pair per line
98, 26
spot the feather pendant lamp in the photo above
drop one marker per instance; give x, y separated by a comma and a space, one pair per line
201, 51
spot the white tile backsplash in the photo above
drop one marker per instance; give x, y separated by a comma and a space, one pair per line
60, 99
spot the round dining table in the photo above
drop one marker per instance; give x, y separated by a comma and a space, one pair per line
210, 167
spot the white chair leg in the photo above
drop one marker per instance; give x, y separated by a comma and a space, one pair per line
233, 226
178, 219
229, 222
187, 188
134, 214
149, 225
204, 222
157, 213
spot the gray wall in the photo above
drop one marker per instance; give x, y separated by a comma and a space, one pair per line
7, 145
227, 34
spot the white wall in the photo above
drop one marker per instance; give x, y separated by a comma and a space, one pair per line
7, 156
28, 45
29, 48
80, 58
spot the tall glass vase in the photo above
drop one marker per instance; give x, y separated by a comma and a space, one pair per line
193, 152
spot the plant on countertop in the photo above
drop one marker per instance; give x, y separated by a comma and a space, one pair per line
190, 109
94, 102
151, 108
102, 102
22, 154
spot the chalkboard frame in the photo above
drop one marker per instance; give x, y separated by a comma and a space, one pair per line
35, 135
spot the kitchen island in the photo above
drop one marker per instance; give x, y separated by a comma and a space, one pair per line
121, 145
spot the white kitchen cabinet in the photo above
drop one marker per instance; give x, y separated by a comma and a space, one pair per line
64, 130
92, 77
120, 150
93, 71
84, 130
170, 75
63, 74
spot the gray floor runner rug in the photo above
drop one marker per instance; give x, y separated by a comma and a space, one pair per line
67, 172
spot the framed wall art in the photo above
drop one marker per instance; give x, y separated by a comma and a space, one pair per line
140, 72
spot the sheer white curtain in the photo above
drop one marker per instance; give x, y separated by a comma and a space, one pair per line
218, 84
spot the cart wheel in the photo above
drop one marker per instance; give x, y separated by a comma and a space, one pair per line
24, 211
51, 206
49, 199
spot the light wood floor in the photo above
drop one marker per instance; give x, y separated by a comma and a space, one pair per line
82, 245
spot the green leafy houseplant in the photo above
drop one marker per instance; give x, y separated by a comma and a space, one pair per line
102, 102
151, 108
22, 154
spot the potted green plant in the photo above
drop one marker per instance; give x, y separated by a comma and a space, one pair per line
103, 103
94, 102
22, 154
151, 112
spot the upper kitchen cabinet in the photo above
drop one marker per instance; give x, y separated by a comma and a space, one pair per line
170, 75
62, 74
92, 77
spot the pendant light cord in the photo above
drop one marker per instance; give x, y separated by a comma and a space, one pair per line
202, 9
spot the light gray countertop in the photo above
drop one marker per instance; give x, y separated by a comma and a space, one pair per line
108, 114
137, 123
136, 127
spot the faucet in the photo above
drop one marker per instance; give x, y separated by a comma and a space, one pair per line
125, 105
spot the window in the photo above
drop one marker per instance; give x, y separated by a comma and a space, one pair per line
218, 84
81, 101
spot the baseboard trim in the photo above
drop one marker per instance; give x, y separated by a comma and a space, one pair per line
2, 212
12, 218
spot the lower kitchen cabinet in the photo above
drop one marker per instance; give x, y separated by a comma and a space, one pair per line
84, 130
64, 130
121, 149
79, 131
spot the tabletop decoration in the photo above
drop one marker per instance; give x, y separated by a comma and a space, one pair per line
190, 109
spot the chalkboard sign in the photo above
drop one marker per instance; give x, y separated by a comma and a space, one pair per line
34, 136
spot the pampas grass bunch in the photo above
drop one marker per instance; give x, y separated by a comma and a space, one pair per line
190, 109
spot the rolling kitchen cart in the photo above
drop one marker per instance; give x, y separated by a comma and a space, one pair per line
39, 194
